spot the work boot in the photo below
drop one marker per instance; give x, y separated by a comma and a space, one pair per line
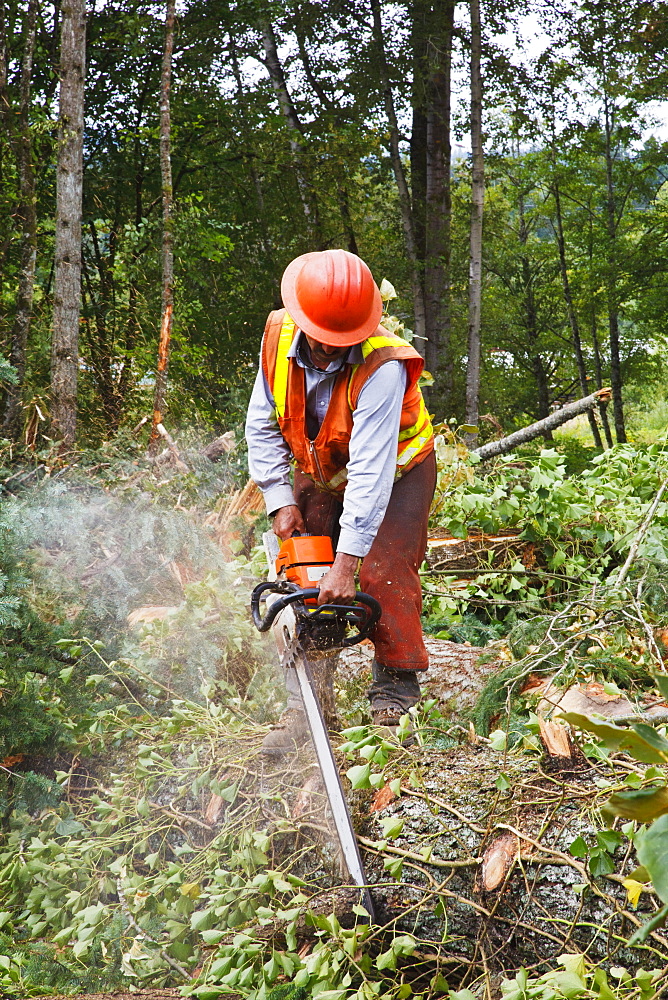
288, 735
392, 693
387, 719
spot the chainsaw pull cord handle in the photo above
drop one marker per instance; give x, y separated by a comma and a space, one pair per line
367, 602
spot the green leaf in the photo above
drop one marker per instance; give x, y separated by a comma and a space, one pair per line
498, 740
212, 936
641, 742
392, 826
502, 783
358, 776
643, 805
579, 848
468, 429
68, 827
386, 960
570, 985
608, 840
601, 863
652, 849
403, 944
394, 866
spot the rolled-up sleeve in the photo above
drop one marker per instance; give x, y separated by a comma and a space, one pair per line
268, 452
373, 458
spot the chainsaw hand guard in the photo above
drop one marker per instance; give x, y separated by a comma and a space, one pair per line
321, 627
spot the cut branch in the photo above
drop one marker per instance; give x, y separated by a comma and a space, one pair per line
541, 427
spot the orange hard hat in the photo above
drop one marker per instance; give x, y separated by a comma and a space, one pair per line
332, 297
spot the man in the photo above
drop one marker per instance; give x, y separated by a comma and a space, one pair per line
338, 394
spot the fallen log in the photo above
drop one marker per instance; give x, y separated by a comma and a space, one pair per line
540, 427
456, 675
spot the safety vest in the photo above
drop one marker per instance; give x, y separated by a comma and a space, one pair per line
325, 459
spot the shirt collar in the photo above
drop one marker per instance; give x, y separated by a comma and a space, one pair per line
299, 346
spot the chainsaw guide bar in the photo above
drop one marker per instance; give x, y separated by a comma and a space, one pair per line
299, 629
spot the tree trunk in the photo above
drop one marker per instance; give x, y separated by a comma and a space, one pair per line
69, 188
477, 196
570, 309
598, 366
438, 200
5, 121
539, 429
420, 24
420, 324
613, 307
11, 425
167, 239
306, 189
531, 319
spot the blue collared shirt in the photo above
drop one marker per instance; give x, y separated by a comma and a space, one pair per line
373, 442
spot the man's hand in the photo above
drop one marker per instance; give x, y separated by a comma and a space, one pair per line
338, 585
286, 521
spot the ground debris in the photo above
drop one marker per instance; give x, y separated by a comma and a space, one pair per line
124, 995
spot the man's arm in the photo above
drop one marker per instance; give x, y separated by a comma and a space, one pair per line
268, 453
371, 469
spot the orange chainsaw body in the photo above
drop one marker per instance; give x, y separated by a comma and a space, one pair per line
305, 559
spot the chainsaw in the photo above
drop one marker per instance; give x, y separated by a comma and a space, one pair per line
305, 632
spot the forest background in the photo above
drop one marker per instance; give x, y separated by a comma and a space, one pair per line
501, 166
293, 127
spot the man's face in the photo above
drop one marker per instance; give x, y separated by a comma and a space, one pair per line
322, 355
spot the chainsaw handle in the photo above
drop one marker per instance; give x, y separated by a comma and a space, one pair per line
370, 604
264, 624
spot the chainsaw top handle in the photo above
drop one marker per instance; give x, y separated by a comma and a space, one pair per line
363, 614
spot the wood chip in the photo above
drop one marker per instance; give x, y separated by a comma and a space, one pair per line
498, 859
309, 801
214, 809
382, 798
555, 738
149, 614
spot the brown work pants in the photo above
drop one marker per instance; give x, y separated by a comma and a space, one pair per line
390, 571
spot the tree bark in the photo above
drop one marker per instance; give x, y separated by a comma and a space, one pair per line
477, 196
5, 118
598, 366
167, 236
306, 189
438, 199
420, 324
11, 425
570, 309
538, 429
69, 188
420, 25
613, 306
531, 318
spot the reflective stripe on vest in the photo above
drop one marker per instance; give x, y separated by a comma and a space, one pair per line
421, 421
283, 364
